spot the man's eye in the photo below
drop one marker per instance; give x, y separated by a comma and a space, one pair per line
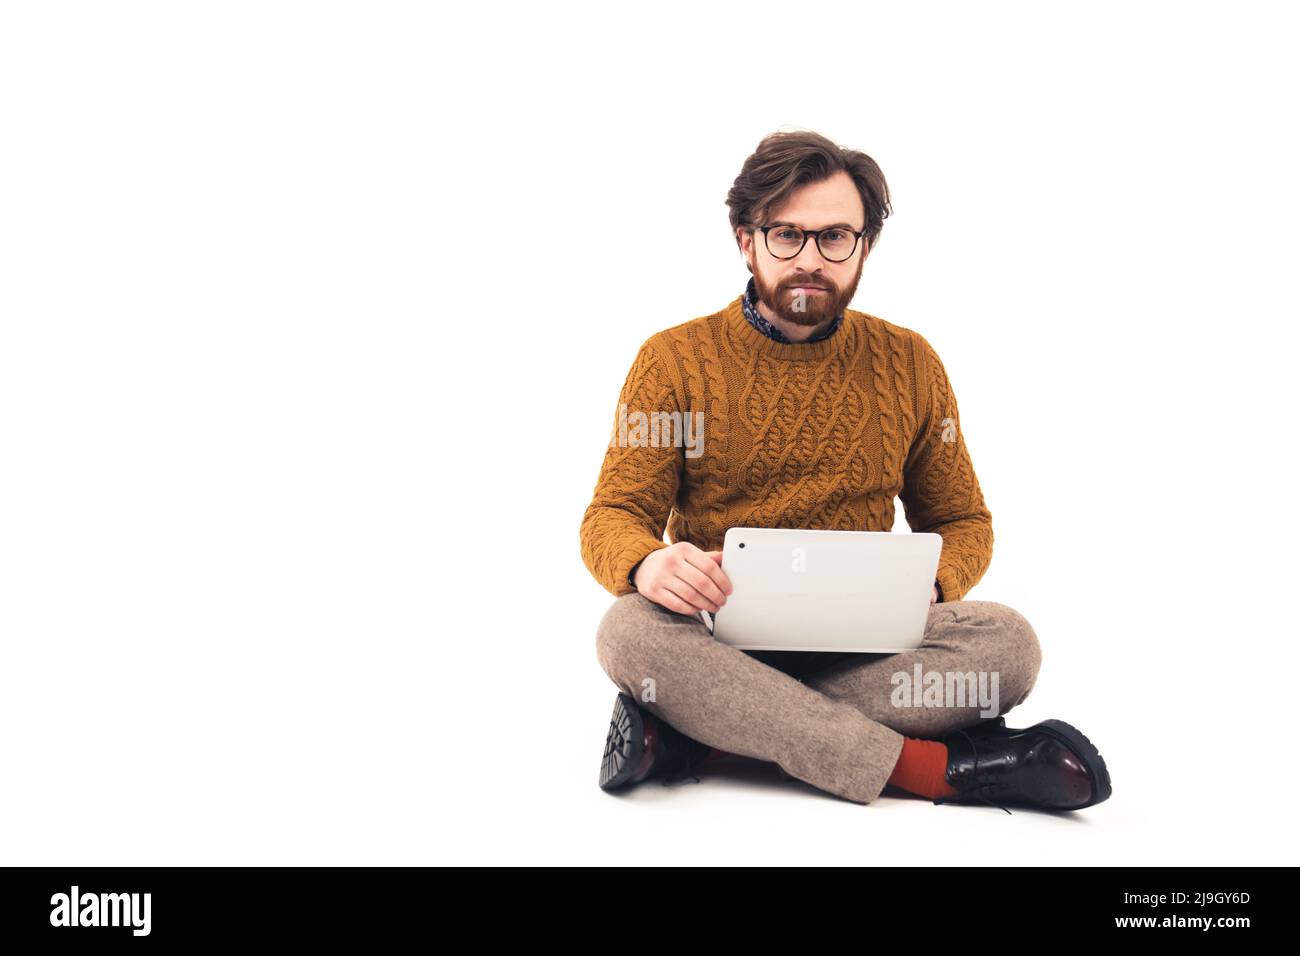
834, 235
787, 234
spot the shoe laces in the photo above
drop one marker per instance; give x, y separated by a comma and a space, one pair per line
679, 778
976, 789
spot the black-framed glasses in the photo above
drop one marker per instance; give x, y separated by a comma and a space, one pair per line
835, 243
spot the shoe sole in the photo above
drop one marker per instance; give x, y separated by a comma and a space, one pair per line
1075, 739
624, 744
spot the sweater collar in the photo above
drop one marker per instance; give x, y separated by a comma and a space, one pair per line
745, 334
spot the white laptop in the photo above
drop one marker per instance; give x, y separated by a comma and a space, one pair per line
817, 590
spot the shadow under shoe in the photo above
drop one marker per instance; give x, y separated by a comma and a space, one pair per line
1050, 765
639, 746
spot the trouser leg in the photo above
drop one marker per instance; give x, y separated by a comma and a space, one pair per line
963, 640
724, 697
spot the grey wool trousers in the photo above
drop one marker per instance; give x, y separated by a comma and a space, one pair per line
833, 720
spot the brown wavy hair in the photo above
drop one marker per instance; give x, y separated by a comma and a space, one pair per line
787, 160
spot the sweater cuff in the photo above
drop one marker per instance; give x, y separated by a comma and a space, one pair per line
627, 559
949, 586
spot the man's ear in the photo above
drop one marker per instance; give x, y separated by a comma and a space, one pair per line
741, 234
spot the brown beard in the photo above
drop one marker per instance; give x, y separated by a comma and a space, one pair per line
818, 309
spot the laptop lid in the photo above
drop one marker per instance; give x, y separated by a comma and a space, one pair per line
820, 590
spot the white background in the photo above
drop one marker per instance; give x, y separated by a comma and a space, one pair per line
314, 320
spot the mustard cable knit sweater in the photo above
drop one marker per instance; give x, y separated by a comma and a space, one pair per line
719, 426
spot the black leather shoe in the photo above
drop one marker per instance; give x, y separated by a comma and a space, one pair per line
1050, 765
640, 746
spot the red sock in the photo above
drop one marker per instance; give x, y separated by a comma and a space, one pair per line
920, 768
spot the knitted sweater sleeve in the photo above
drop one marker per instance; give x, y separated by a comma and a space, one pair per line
940, 490
638, 481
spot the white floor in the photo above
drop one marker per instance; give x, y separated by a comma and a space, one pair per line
1171, 808
481, 743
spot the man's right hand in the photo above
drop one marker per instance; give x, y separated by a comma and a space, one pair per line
683, 578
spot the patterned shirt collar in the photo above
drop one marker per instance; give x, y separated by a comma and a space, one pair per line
755, 318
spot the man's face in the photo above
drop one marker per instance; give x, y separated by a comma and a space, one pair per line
809, 289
